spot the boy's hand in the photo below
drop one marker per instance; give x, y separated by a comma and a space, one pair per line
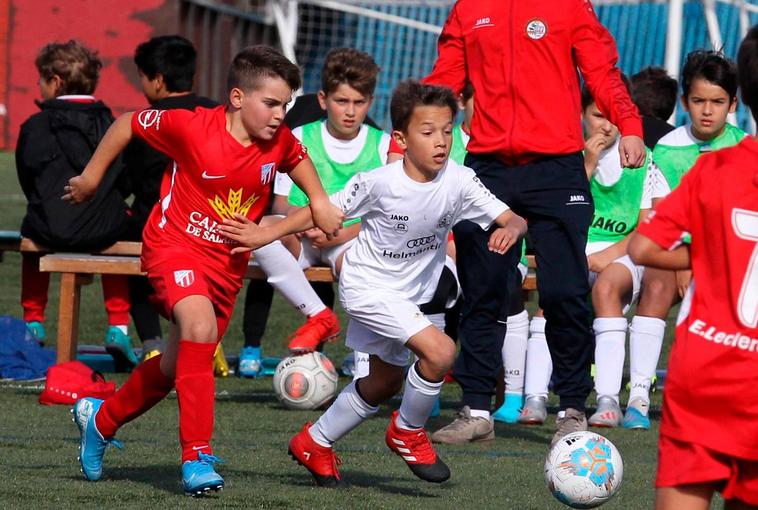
632, 151
599, 261
79, 190
245, 232
327, 217
683, 279
503, 238
593, 146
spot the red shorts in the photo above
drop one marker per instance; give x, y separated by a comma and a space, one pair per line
180, 277
681, 463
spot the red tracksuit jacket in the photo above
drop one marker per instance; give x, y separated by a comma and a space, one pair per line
521, 56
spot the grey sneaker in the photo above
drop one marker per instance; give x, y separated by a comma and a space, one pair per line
534, 411
608, 414
465, 429
568, 421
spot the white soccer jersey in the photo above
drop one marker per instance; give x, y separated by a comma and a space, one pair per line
339, 151
404, 227
608, 172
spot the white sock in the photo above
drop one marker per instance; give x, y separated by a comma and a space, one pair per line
419, 398
645, 341
123, 328
480, 413
347, 412
610, 343
361, 367
539, 364
286, 276
514, 352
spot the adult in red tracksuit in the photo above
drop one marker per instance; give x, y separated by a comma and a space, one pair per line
522, 56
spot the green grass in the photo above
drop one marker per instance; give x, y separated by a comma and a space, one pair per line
38, 444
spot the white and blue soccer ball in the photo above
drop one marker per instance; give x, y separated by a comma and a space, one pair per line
305, 382
583, 470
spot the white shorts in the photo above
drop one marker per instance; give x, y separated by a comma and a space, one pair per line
311, 256
381, 324
635, 271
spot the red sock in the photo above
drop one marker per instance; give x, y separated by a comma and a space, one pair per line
195, 389
145, 387
34, 285
116, 297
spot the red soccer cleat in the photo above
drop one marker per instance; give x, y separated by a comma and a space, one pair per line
318, 329
319, 460
417, 451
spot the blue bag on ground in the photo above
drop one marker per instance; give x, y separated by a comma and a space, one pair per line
21, 357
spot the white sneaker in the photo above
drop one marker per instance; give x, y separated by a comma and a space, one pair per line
608, 414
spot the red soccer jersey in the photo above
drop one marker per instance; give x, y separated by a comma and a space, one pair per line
213, 176
711, 394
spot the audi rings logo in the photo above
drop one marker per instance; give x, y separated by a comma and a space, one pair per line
420, 241
148, 118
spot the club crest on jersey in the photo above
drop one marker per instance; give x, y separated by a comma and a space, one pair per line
446, 220
233, 204
267, 173
536, 29
150, 118
184, 278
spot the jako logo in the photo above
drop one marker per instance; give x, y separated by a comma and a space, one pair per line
576, 198
421, 241
483, 22
147, 118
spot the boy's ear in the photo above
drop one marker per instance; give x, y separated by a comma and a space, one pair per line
733, 105
399, 138
321, 96
235, 97
684, 103
160, 82
57, 83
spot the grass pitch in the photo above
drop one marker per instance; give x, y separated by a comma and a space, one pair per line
38, 444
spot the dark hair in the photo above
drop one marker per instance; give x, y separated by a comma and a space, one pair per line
256, 62
654, 92
171, 56
747, 63
587, 98
410, 94
711, 66
467, 92
349, 66
77, 66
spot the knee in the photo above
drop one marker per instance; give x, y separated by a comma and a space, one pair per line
200, 331
440, 361
605, 291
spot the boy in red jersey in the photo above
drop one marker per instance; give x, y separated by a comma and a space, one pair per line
709, 430
224, 161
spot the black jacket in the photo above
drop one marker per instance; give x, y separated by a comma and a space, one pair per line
53, 146
145, 166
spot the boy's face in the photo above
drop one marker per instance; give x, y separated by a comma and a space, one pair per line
708, 106
595, 123
346, 109
262, 108
428, 138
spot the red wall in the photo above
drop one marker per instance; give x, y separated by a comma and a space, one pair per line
112, 27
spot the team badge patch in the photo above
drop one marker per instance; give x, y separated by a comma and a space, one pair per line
150, 118
267, 173
184, 278
536, 29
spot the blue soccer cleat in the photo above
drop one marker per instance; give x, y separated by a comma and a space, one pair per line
119, 345
636, 416
510, 410
37, 329
250, 362
92, 445
199, 477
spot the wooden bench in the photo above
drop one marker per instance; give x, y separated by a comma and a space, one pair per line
77, 269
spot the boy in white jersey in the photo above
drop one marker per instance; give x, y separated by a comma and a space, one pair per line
709, 86
340, 146
622, 197
407, 209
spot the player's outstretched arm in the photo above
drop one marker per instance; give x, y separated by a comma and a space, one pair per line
326, 216
512, 228
82, 187
252, 236
646, 252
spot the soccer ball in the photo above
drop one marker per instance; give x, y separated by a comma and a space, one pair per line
583, 470
305, 382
